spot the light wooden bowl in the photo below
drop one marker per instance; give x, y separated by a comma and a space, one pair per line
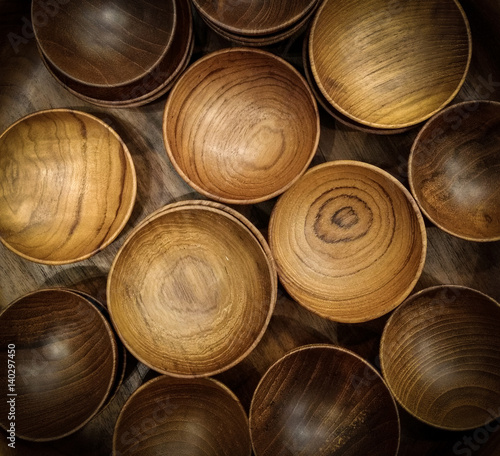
440, 355
241, 125
349, 241
65, 363
390, 65
318, 400
454, 170
69, 186
195, 417
191, 291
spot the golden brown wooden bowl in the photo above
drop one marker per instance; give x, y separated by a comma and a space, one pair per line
390, 65
454, 170
349, 241
191, 291
440, 356
323, 400
195, 417
69, 186
241, 125
65, 363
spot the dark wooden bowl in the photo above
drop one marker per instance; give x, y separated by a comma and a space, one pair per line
440, 356
454, 170
195, 417
323, 400
69, 186
349, 241
390, 65
241, 125
65, 363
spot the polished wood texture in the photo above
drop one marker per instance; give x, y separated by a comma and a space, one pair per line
65, 363
241, 125
68, 186
182, 417
191, 291
349, 241
310, 403
440, 355
454, 170
390, 64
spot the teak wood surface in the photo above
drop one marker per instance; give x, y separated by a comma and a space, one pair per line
26, 86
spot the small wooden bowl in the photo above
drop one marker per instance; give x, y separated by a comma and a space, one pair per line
323, 400
69, 186
196, 417
454, 170
65, 363
390, 65
440, 356
191, 291
349, 241
241, 125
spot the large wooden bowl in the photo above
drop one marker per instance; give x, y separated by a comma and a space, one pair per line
191, 291
323, 400
69, 186
349, 241
65, 359
195, 417
241, 125
390, 65
454, 170
440, 356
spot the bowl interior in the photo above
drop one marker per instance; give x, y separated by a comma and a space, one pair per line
440, 355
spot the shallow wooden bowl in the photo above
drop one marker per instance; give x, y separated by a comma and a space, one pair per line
454, 170
349, 241
191, 291
241, 125
195, 417
390, 65
69, 186
323, 400
65, 363
440, 356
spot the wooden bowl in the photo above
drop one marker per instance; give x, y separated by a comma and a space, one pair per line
348, 240
65, 359
182, 417
454, 170
440, 356
241, 125
390, 65
191, 291
323, 400
69, 186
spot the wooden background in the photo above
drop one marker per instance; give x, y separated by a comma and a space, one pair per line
26, 86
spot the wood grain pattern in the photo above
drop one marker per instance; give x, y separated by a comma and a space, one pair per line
65, 362
390, 64
241, 125
454, 170
348, 240
440, 355
311, 403
68, 186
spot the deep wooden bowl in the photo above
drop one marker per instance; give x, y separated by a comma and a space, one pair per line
191, 291
440, 356
195, 417
323, 400
65, 359
69, 186
241, 125
349, 241
390, 65
454, 170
